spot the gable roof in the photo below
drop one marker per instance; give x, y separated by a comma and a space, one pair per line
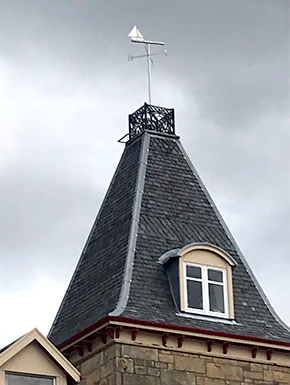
156, 202
15, 347
7, 346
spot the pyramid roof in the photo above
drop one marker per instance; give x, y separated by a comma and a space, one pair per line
156, 203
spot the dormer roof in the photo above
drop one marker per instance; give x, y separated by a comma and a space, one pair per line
156, 203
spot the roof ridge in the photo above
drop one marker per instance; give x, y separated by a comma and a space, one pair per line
125, 290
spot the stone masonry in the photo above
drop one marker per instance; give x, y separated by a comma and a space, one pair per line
122, 364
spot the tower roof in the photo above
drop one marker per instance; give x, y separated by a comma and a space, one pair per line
156, 202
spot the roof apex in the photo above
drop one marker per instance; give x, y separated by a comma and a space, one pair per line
35, 335
151, 118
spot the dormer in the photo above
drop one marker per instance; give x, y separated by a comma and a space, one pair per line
200, 279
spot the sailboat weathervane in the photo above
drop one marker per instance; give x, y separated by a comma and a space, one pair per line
137, 37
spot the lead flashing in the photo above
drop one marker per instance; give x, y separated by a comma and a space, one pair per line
176, 252
125, 290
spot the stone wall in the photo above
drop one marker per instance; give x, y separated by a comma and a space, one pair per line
122, 364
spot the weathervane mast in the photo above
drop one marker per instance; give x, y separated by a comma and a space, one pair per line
137, 37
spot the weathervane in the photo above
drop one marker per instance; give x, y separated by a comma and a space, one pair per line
137, 37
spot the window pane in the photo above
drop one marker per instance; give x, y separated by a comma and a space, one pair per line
216, 298
193, 271
23, 379
194, 294
215, 275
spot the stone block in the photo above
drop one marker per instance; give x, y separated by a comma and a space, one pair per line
107, 368
253, 375
138, 379
165, 351
268, 375
153, 372
146, 363
227, 372
263, 382
200, 380
92, 364
93, 378
277, 368
229, 382
117, 350
140, 352
118, 379
124, 365
281, 377
140, 370
166, 358
114, 380
177, 378
226, 361
190, 364
256, 367
109, 353
161, 365
214, 381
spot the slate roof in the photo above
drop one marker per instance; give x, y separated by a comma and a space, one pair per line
7, 346
156, 202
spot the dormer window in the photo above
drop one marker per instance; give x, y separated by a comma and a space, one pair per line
200, 279
205, 290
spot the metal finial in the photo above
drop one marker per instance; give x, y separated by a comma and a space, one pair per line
137, 37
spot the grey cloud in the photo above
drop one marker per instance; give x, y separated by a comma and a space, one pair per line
67, 88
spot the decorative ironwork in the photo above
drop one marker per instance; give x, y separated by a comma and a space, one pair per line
151, 118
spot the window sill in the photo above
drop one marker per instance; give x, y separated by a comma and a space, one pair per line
207, 318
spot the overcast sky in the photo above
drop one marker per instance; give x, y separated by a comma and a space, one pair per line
66, 89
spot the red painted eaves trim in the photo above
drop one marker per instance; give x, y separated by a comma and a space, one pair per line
83, 332
166, 326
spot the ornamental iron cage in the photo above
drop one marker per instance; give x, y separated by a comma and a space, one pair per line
151, 118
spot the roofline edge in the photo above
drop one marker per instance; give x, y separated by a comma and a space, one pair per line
125, 290
86, 244
48, 347
229, 234
111, 319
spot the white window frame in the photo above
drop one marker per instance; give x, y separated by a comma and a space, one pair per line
205, 290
